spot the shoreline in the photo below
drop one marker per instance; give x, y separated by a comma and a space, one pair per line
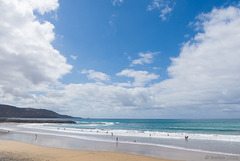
76, 144
122, 142
18, 151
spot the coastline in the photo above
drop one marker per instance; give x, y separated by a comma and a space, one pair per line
91, 146
40, 121
12, 150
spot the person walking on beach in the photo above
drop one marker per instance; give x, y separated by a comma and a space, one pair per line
116, 141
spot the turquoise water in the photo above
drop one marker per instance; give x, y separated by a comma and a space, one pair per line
184, 126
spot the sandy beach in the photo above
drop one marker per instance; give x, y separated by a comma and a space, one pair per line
17, 151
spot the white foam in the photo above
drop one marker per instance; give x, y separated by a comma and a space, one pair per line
96, 123
135, 133
4, 130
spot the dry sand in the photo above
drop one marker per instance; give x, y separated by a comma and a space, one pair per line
16, 151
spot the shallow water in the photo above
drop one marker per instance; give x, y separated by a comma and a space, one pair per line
204, 137
219, 136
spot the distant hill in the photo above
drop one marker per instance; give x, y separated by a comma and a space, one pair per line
8, 111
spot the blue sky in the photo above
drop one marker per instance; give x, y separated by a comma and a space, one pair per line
107, 38
122, 58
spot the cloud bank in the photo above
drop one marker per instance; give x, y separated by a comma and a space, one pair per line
206, 73
28, 60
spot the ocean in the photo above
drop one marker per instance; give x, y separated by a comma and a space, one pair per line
220, 136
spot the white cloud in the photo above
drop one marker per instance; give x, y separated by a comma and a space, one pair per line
165, 7
145, 58
73, 57
156, 68
97, 76
117, 2
164, 12
206, 73
128, 84
42, 6
186, 35
27, 59
140, 77
96, 100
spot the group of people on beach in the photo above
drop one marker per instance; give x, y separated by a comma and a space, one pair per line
117, 139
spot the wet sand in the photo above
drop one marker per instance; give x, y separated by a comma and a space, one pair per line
16, 151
